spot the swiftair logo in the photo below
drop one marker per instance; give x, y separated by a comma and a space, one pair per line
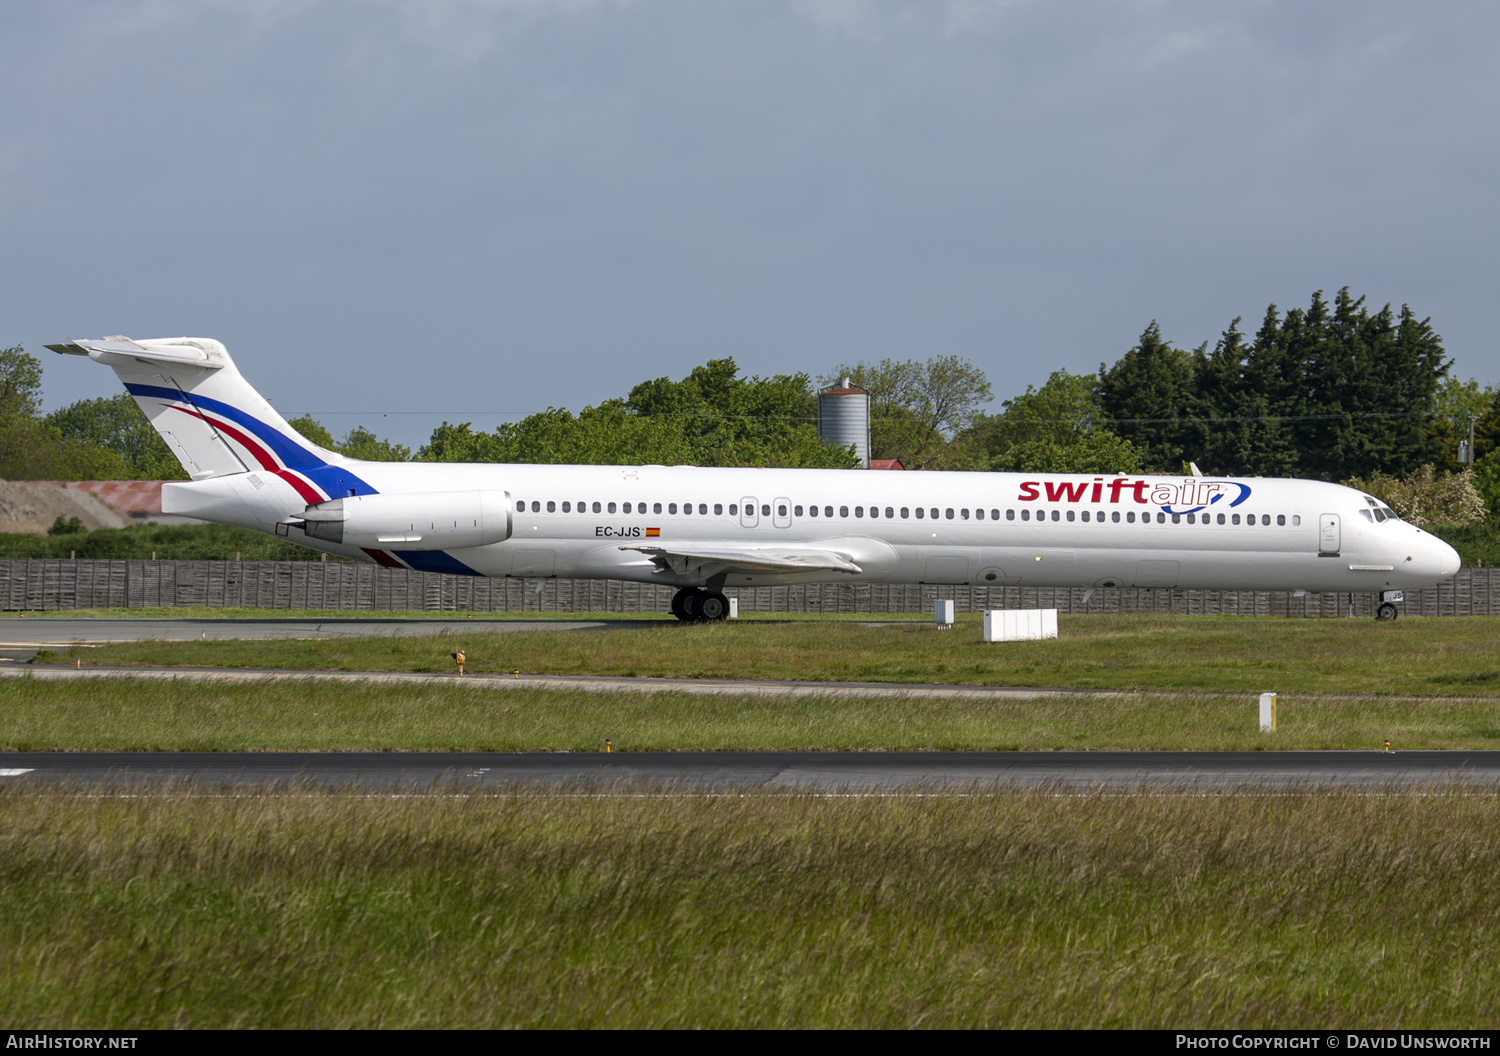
1190, 496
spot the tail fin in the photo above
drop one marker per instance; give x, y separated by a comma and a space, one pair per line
212, 419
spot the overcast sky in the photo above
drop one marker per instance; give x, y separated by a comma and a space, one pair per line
477, 208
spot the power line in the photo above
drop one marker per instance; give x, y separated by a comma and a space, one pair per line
1331, 416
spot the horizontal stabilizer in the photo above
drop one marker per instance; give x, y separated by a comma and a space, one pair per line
778, 559
110, 350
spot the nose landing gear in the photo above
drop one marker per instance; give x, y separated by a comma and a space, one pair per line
699, 606
1387, 611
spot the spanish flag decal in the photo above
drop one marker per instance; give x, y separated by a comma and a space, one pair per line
652, 533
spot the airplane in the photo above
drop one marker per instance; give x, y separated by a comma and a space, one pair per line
702, 530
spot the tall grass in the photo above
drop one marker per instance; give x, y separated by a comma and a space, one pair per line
328, 910
1238, 654
181, 715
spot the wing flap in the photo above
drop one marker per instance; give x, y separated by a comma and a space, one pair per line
733, 559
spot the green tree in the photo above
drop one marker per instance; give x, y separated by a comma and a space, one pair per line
1148, 398
20, 383
313, 430
359, 442
1487, 431
1055, 429
117, 424
713, 417
1372, 384
917, 408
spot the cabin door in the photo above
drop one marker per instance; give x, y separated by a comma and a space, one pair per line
748, 517
1328, 535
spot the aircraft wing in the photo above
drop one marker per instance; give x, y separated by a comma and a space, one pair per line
681, 559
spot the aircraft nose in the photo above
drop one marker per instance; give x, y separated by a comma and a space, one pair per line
1448, 559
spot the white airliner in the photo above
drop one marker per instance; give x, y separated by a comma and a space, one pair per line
702, 530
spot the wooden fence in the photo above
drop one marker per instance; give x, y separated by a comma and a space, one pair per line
48, 584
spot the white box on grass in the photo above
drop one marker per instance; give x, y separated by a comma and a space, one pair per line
1019, 625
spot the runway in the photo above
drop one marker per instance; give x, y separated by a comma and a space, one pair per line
863, 772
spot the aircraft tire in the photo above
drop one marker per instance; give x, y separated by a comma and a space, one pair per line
679, 604
1386, 612
691, 599
713, 607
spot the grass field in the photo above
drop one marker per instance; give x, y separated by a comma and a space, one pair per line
1454, 657
328, 910
201, 612
125, 714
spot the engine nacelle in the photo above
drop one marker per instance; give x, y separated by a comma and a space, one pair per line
433, 520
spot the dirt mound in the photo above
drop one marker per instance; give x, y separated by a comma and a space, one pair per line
31, 508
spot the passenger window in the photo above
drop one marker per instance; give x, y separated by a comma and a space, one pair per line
1130, 517
718, 509
1221, 518
1161, 518
889, 512
1055, 515
950, 514
781, 511
1010, 515
921, 513
1115, 516
811, 509
1281, 518
656, 507
827, 511
1235, 519
520, 505
905, 512
859, 511
994, 515
1025, 515
687, 509
1192, 519
734, 509
1296, 519
626, 507
964, 514
611, 507
567, 507
979, 515
765, 510
1265, 519
583, 507
933, 513
671, 507
703, 508
1085, 516
1070, 515
843, 511
796, 511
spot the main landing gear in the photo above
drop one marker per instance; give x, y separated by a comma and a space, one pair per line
699, 606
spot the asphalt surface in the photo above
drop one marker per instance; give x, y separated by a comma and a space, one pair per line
865, 772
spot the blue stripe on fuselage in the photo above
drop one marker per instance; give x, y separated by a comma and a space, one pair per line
335, 481
435, 561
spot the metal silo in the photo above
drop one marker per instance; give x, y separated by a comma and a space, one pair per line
844, 418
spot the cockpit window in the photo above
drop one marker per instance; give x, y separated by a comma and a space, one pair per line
1390, 514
